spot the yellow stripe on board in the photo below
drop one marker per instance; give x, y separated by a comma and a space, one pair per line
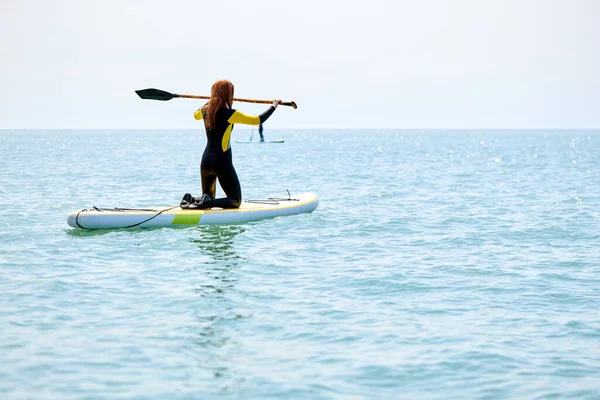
186, 219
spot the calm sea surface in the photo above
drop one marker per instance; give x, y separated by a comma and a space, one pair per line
446, 264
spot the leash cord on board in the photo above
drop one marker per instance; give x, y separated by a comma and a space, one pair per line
125, 209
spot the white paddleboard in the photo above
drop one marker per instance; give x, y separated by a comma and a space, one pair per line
150, 217
257, 141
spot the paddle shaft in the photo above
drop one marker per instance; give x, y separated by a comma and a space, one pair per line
192, 96
157, 94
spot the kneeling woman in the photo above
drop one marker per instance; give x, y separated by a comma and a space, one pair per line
217, 162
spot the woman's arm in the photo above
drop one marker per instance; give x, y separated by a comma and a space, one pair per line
239, 117
198, 113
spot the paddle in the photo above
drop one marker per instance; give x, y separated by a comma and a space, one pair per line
156, 94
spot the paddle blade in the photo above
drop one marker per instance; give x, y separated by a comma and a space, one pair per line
155, 94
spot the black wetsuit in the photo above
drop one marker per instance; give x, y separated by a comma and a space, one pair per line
217, 161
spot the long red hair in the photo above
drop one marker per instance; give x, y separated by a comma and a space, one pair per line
221, 95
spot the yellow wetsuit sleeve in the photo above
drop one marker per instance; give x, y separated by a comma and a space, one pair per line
198, 114
240, 118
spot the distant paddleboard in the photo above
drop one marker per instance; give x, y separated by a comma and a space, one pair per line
256, 141
151, 217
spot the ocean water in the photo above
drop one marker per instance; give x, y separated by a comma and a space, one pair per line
439, 264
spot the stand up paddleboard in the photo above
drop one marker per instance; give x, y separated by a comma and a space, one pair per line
260, 131
256, 141
250, 210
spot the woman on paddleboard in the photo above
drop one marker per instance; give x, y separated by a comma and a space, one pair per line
217, 163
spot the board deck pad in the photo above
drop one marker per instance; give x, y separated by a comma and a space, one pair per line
149, 217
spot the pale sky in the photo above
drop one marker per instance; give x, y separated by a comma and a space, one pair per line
414, 64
